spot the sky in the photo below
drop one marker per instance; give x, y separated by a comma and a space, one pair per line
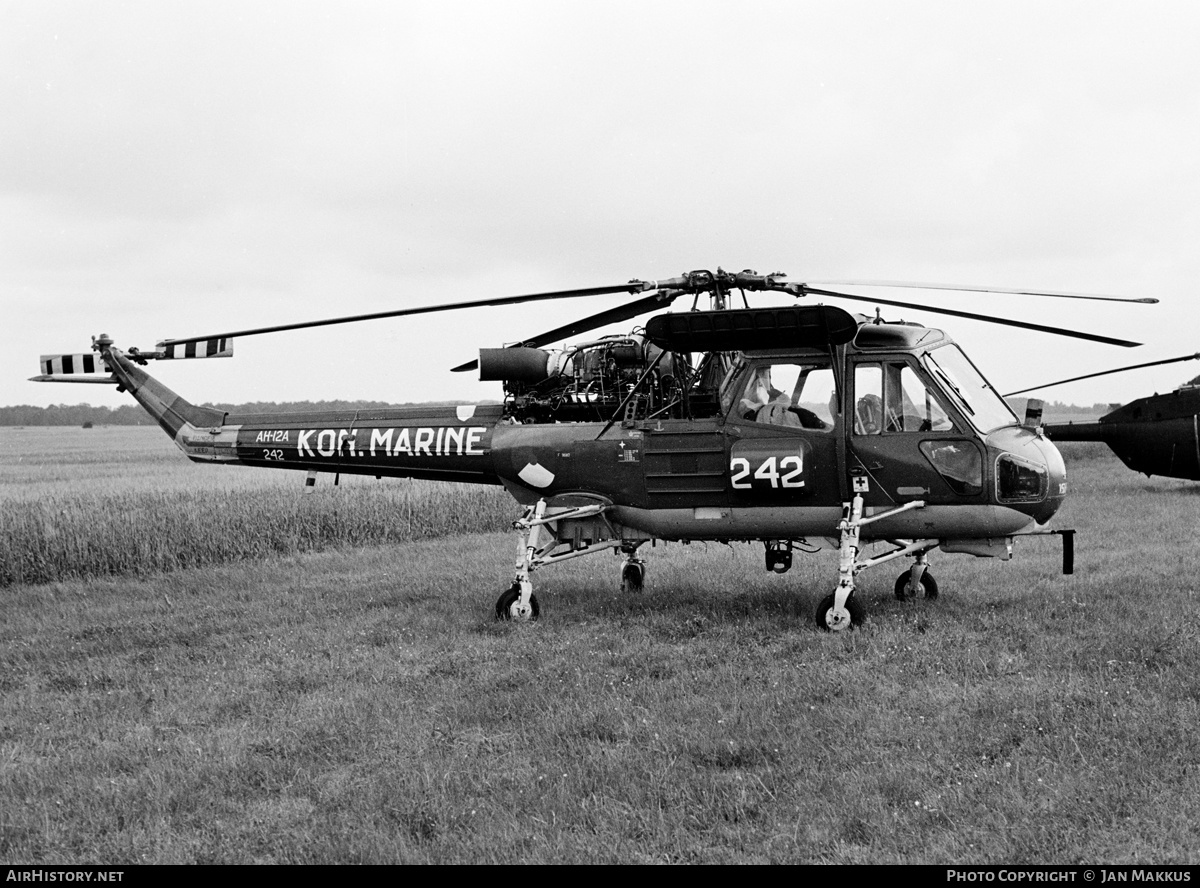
192, 168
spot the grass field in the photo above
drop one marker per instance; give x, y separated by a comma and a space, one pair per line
359, 704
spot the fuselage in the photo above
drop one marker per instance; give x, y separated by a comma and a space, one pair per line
899, 414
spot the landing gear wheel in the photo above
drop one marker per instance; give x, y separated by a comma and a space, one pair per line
633, 576
508, 606
830, 623
927, 588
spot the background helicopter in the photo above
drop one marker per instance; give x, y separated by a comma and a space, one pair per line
1157, 435
797, 426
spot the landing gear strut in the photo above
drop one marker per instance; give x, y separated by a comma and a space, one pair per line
835, 612
518, 602
840, 611
544, 536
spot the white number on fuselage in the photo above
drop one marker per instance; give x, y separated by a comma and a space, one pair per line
772, 471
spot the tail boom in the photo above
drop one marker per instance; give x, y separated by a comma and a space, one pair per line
1166, 447
440, 442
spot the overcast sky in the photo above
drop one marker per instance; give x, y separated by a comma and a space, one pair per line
175, 169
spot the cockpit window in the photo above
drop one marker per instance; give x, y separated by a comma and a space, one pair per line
788, 393
966, 385
892, 397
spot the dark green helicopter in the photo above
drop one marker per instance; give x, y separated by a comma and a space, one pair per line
1157, 435
800, 426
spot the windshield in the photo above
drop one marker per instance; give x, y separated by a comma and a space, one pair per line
966, 385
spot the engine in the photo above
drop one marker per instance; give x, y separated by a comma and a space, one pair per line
591, 381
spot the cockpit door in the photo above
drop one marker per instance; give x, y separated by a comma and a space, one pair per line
907, 440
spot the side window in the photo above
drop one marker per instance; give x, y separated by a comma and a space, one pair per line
919, 408
868, 399
818, 395
892, 397
788, 393
958, 462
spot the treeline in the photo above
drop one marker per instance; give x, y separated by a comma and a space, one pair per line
73, 415
133, 414
1052, 409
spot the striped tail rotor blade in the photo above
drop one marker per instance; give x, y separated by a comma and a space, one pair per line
216, 347
87, 367
66, 365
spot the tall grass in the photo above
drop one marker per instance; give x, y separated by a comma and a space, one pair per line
87, 535
79, 506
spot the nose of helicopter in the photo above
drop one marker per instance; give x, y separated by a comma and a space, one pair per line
1031, 476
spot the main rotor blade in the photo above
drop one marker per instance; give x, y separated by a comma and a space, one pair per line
1058, 331
1057, 294
661, 299
1195, 357
631, 287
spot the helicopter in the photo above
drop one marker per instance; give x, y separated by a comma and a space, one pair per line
801, 427
1156, 435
